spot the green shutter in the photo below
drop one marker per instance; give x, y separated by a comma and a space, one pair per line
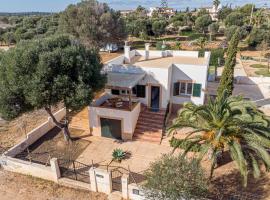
197, 90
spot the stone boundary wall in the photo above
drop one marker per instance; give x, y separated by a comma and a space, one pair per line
32, 169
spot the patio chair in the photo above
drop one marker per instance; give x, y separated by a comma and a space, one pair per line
118, 104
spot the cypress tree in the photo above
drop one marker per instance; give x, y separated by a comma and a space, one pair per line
226, 82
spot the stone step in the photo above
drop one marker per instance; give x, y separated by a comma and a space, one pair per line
143, 116
147, 129
153, 134
147, 138
149, 123
161, 113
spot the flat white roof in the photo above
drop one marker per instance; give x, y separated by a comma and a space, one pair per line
166, 62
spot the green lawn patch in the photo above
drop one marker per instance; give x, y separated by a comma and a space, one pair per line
258, 66
263, 72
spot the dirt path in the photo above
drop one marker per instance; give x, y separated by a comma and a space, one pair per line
20, 187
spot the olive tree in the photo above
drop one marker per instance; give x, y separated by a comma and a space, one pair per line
202, 23
94, 23
174, 178
42, 73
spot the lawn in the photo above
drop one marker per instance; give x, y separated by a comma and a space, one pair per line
263, 72
258, 66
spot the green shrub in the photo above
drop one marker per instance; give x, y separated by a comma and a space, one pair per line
263, 72
215, 54
118, 155
258, 66
159, 46
184, 144
195, 36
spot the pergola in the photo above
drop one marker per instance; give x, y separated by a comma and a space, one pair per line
124, 81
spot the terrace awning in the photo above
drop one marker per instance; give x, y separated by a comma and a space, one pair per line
118, 80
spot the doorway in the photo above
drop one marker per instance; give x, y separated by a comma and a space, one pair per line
155, 98
111, 128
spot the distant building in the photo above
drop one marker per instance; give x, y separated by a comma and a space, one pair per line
213, 11
169, 12
124, 13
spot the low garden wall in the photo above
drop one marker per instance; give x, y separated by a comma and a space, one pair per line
28, 168
9, 163
35, 134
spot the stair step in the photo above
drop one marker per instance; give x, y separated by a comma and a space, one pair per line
147, 138
153, 117
150, 124
160, 113
146, 129
148, 134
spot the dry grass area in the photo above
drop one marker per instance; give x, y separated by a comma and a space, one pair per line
108, 56
12, 132
247, 64
31, 188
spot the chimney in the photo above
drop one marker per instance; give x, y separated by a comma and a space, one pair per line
127, 52
147, 45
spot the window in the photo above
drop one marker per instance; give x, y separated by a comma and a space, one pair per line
176, 89
140, 91
189, 88
115, 92
182, 88
125, 92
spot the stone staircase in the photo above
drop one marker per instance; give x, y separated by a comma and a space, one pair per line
80, 120
149, 126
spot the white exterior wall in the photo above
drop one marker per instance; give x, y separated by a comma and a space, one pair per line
28, 168
195, 73
194, 54
157, 76
129, 118
133, 196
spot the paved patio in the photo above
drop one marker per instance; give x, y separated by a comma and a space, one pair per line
141, 153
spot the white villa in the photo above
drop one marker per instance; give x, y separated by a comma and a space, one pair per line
143, 87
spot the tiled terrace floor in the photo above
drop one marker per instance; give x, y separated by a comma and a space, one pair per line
141, 153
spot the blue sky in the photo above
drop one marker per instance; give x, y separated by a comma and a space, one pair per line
34, 5
58, 5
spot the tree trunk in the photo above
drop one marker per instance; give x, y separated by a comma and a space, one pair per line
62, 126
268, 65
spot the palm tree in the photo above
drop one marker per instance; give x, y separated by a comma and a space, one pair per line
228, 123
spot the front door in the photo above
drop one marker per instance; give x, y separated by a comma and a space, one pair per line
155, 97
111, 128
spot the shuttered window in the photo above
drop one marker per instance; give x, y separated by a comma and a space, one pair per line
115, 92
197, 90
141, 91
182, 88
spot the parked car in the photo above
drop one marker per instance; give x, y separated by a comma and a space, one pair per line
111, 47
